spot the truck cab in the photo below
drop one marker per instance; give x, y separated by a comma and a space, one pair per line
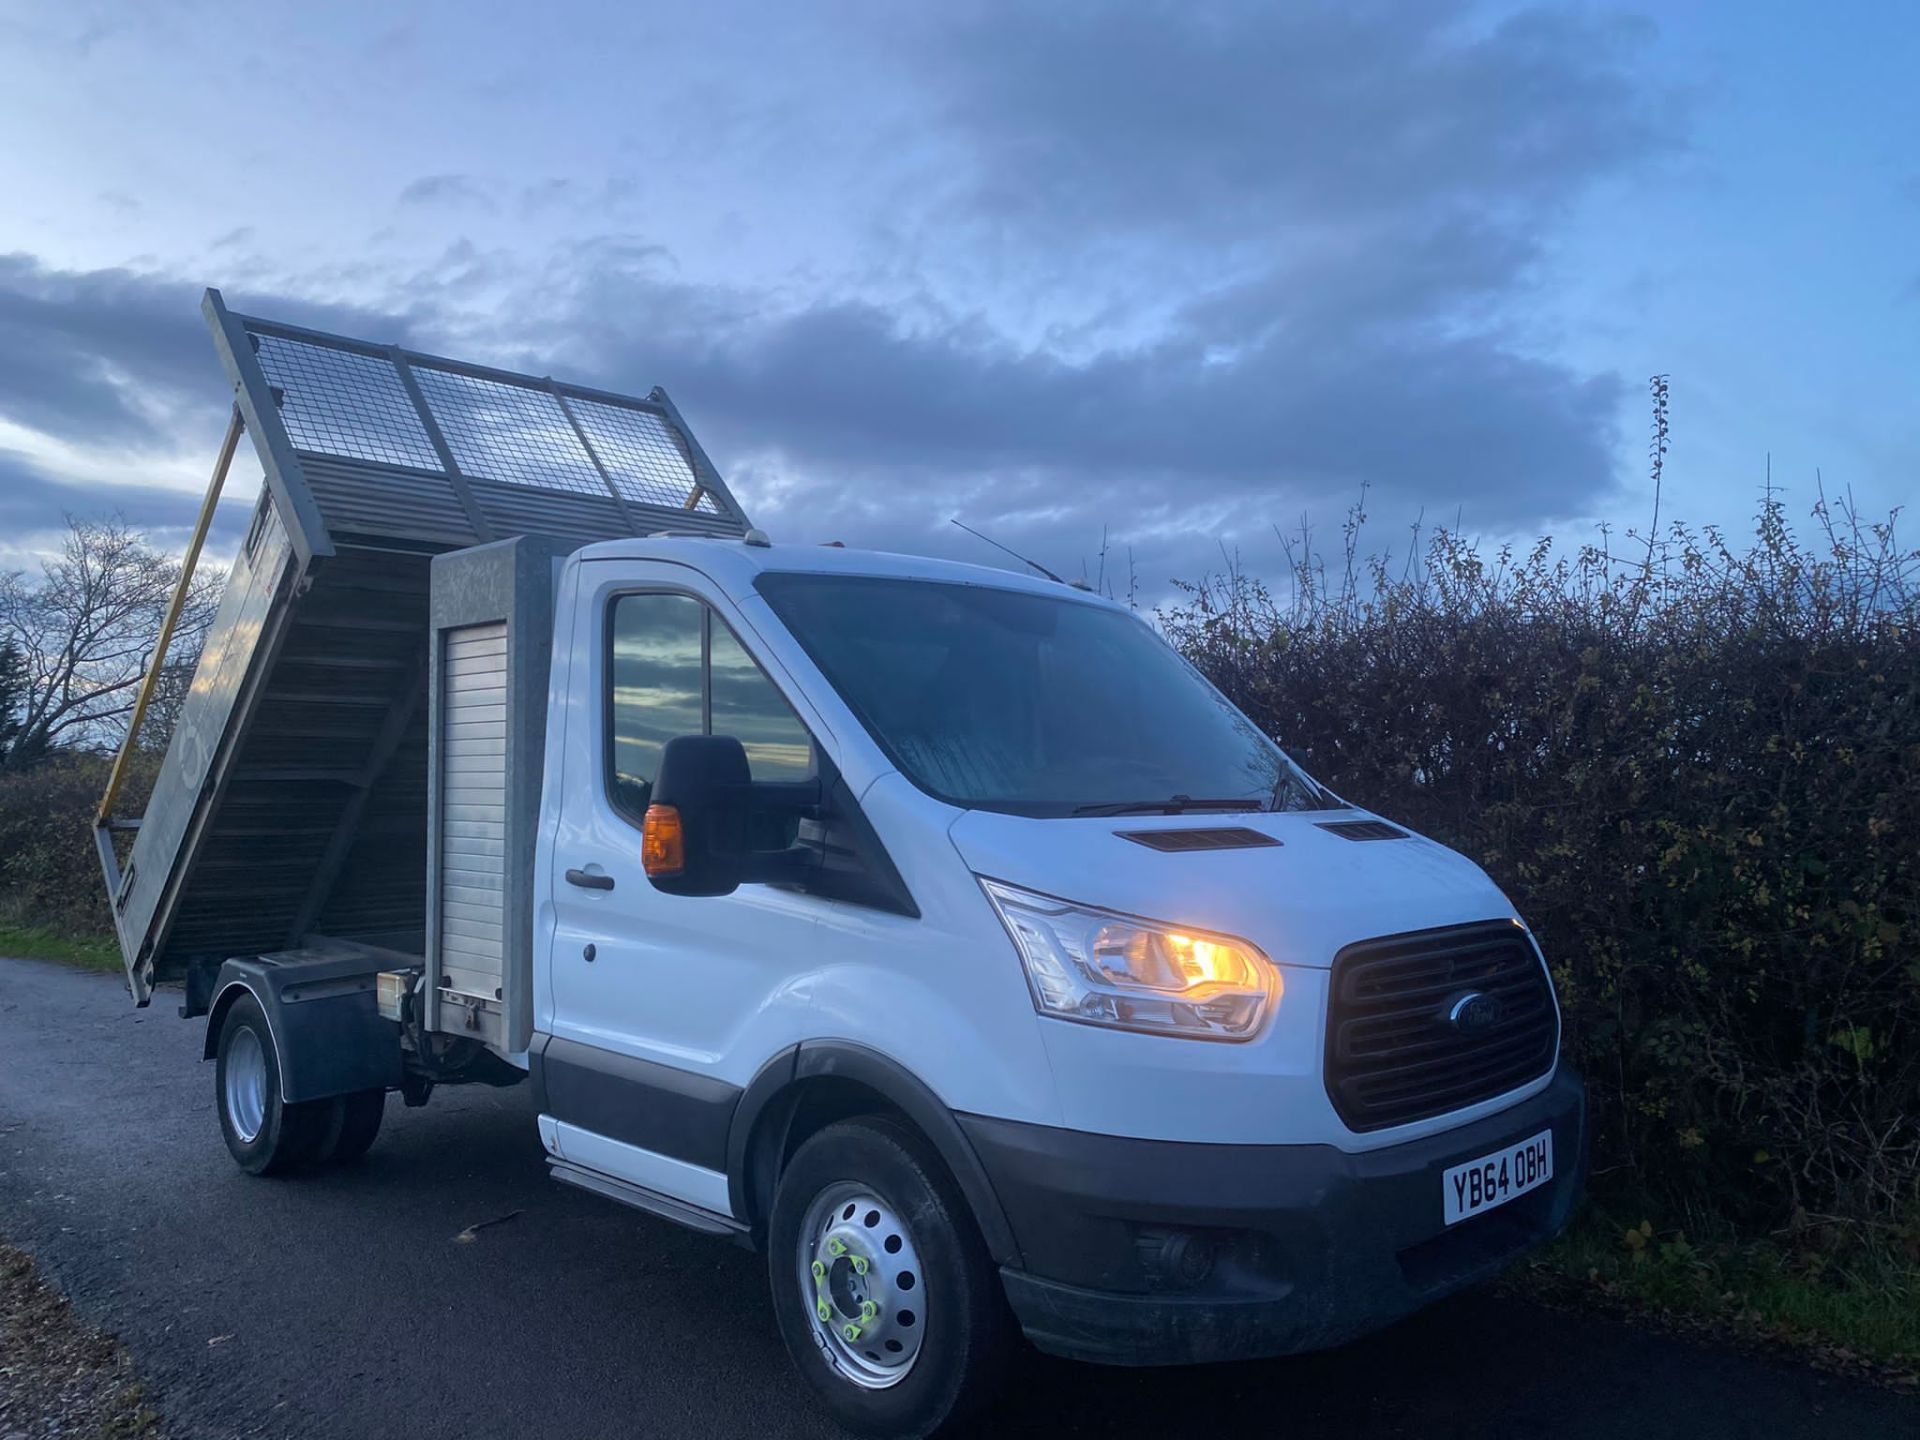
937, 931
1212, 1063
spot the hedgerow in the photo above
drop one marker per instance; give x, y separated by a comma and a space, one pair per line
49, 868
1696, 770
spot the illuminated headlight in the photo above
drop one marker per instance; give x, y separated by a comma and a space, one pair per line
1104, 968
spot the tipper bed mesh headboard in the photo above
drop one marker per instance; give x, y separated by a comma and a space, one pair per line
371, 443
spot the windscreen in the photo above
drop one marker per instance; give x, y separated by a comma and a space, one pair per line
1031, 704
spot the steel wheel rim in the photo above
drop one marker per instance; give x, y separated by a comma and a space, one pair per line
862, 1285
246, 1084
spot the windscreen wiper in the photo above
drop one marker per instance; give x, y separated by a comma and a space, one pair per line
1172, 805
1314, 795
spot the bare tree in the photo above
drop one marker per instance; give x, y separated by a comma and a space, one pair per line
84, 630
13, 694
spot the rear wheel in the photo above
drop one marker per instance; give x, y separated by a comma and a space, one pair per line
265, 1135
885, 1293
360, 1117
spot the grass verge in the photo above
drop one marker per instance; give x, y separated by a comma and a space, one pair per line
1854, 1309
36, 942
58, 1378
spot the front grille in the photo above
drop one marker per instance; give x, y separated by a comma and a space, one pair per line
1394, 1051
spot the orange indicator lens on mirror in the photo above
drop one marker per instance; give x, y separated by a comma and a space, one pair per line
663, 844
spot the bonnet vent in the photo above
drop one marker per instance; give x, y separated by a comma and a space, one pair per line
1233, 837
1364, 830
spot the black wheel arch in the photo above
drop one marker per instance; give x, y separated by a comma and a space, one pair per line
231, 991
329, 1038
819, 1081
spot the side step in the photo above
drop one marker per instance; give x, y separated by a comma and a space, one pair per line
678, 1211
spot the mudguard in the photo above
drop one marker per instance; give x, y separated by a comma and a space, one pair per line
322, 1008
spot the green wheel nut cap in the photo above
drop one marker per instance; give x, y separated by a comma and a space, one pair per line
836, 1247
823, 1310
819, 1271
868, 1309
852, 1332
859, 1264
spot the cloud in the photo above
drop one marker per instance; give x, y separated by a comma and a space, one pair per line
1307, 236
34, 505
447, 190
100, 355
121, 357
1182, 273
30, 497
1241, 120
1165, 442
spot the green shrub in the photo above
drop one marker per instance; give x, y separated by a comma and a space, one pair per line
49, 869
1697, 773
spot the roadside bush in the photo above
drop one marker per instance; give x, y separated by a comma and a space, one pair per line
49, 871
1697, 773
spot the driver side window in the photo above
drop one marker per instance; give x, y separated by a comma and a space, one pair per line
674, 669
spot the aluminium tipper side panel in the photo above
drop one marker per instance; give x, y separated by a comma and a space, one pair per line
249, 624
492, 647
293, 799
236, 655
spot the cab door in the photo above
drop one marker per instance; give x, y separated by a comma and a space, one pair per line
663, 1007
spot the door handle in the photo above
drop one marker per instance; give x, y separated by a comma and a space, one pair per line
589, 882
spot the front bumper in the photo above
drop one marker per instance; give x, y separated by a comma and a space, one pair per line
1151, 1252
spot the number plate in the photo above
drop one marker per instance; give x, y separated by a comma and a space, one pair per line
1494, 1179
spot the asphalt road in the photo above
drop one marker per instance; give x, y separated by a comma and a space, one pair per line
342, 1305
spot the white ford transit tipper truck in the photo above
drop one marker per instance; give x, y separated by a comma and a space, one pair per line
935, 930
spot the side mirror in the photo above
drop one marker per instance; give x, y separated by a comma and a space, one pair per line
698, 835
694, 838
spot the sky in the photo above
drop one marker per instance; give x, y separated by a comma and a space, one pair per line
1174, 278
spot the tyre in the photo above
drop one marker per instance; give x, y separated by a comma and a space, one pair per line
265, 1135
884, 1291
360, 1116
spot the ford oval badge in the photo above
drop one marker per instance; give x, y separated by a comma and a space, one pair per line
1475, 1012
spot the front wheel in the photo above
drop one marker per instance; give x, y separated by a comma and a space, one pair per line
884, 1291
264, 1134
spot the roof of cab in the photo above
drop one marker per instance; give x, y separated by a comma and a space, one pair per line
734, 564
